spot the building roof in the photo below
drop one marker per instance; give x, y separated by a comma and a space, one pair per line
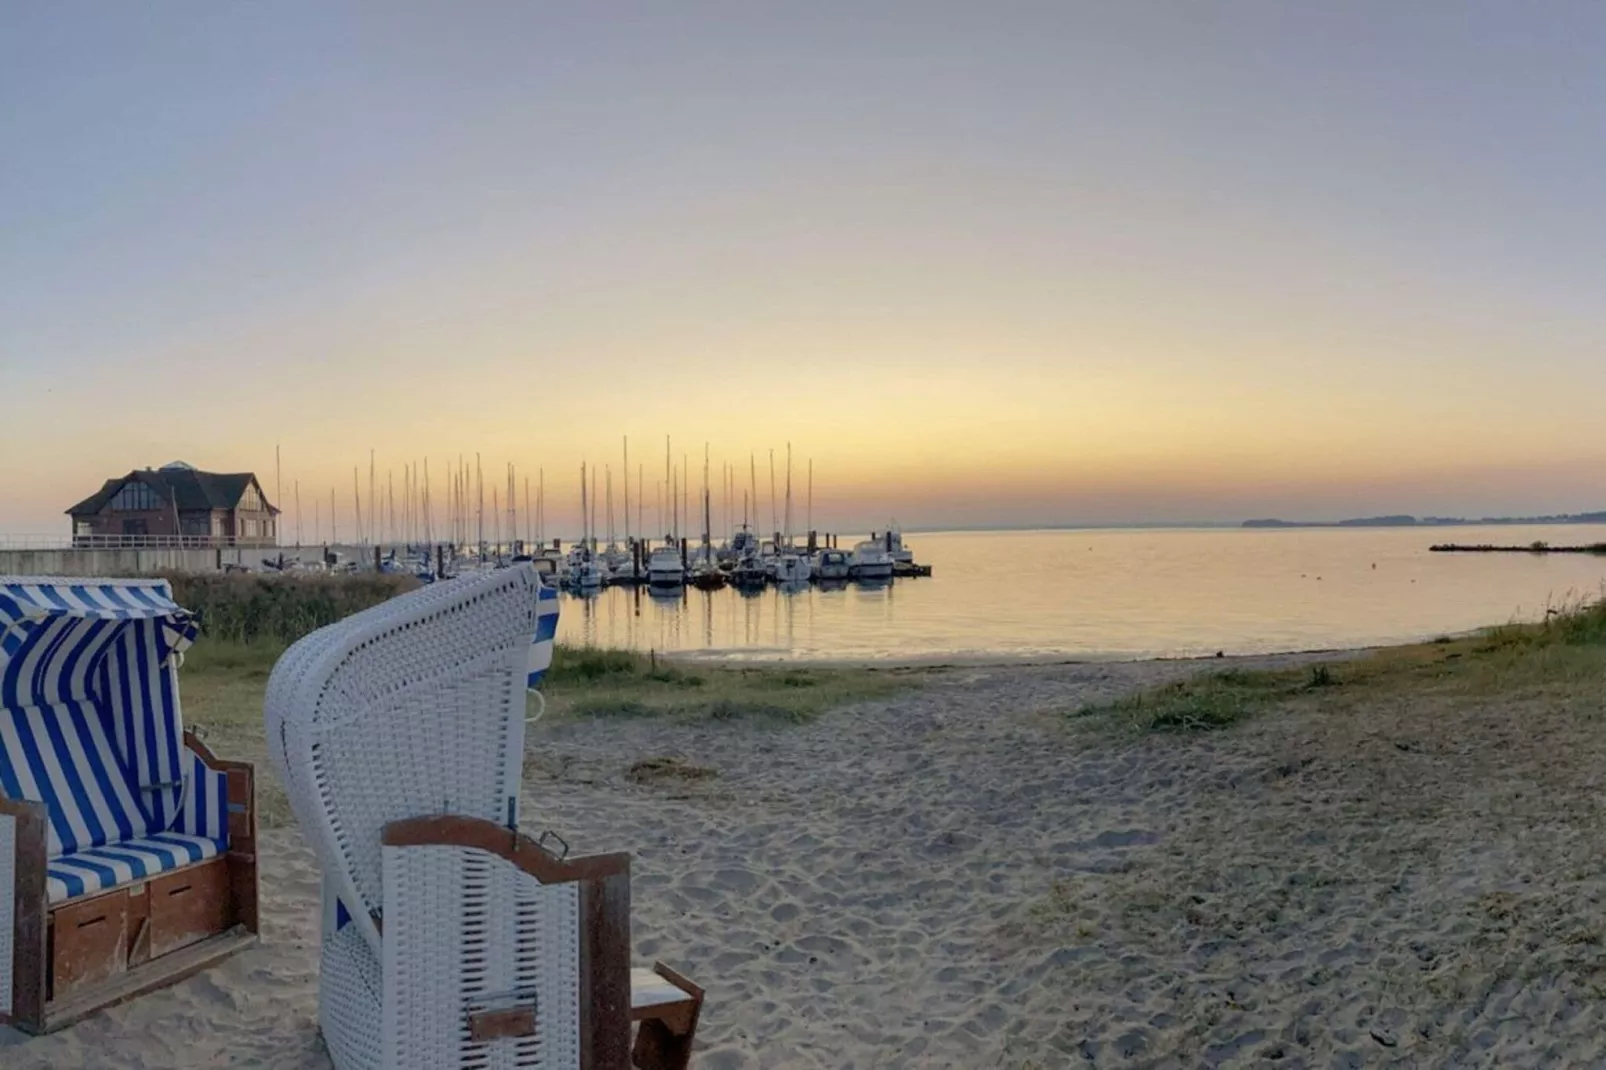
189, 488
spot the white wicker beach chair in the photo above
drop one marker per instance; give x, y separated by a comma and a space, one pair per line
449, 939
127, 851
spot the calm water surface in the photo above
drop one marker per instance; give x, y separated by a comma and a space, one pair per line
1121, 594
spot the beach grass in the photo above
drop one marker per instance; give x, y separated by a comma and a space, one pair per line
279, 607
223, 682
1562, 656
592, 683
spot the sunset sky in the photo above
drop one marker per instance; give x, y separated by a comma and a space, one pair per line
1019, 263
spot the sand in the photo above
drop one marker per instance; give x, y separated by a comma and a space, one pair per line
960, 877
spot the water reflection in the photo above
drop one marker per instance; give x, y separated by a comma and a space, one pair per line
1113, 594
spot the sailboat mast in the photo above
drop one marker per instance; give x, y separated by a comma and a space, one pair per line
627, 490
774, 523
810, 513
584, 532
788, 494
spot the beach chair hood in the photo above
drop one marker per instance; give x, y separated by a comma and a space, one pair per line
90, 722
416, 706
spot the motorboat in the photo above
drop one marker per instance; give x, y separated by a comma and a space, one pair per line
832, 565
791, 567
664, 568
901, 554
870, 561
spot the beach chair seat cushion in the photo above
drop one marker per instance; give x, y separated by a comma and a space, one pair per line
100, 869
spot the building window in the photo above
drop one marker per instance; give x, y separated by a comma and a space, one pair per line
83, 527
135, 497
135, 527
251, 500
250, 529
217, 524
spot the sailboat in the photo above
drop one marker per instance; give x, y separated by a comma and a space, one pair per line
706, 574
791, 568
584, 572
614, 558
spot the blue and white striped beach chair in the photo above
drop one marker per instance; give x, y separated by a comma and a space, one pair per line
127, 851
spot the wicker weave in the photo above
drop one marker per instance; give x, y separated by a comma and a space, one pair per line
413, 707
416, 707
8, 905
350, 1012
473, 933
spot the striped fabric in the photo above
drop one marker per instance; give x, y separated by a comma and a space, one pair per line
90, 724
138, 688
100, 868
546, 632
206, 800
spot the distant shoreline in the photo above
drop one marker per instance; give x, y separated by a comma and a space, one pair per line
1406, 521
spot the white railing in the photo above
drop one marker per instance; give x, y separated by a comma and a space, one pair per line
130, 542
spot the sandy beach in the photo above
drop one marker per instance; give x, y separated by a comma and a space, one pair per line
963, 876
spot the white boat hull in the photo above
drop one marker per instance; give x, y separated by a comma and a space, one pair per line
792, 570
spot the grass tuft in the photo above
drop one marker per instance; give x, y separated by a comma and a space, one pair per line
1564, 650
584, 663
614, 683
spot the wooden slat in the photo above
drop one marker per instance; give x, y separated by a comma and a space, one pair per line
88, 943
605, 971
139, 925
243, 879
502, 1024
189, 904
29, 933
517, 848
158, 973
667, 1030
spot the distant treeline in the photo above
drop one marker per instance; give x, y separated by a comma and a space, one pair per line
1598, 548
1404, 521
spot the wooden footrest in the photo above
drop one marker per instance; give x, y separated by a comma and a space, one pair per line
666, 1004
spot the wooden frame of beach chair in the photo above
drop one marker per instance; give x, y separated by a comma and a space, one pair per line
449, 939
127, 849
71, 959
590, 893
